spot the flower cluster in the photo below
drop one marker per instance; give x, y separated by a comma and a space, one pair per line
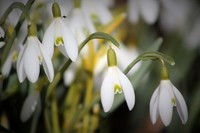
71, 37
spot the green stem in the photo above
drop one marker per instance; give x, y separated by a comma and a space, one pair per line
150, 56
96, 35
12, 38
17, 5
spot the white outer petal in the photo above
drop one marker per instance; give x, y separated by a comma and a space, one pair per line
149, 10
29, 106
2, 33
2, 44
127, 88
154, 106
7, 66
133, 11
181, 105
47, 63
103, 13
70, 43
107, 91
31, 61
20, 64
48, 39
165, 102
69, 75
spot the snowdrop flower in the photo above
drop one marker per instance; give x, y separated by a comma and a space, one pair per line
148, 9
164, 98
31, 56
60, 35
96, 10
2, 34
11, 59
115, 82
29, 105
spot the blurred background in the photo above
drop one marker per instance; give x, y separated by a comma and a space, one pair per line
136, 24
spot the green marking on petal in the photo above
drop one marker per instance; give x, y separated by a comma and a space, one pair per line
14, 56
117, 89
173, 101
59, 41
40, 58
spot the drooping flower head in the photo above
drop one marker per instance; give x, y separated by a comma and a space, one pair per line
165, 97
115, 82
31, 56
59, 34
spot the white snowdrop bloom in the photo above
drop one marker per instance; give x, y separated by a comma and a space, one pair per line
31, 56
29, 105
115, 82
59, 34
2, 35
148, 9
12, 58
164, 98
96, 10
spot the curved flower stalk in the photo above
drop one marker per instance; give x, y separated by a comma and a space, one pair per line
29, 105
164, 98
2, 34
59, 34
115, 82
148, 9
31, 56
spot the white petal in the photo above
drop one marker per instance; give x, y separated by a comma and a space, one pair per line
20, 65
154, 106
47, 64
7, 65
181, 105
69, 75
2, 44
133, 11
31, 61
29, 106
103, 13
165, 102
48, 39
149, 10
128, 89
2, 33
107, 92
70, 43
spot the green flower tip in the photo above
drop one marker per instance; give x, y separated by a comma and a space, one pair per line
56, 10
32, 30
111, 57
164, 73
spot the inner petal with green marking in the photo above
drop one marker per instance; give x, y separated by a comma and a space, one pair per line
173, 101
117, 89
59, 41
